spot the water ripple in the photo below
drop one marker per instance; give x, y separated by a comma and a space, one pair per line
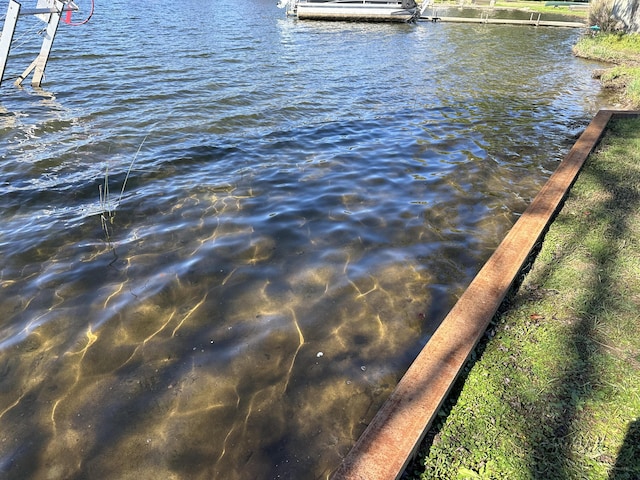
293, 207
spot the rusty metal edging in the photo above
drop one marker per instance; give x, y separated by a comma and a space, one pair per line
384, 449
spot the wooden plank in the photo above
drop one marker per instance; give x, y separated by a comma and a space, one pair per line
394, 434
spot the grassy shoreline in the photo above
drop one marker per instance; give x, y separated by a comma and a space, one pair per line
554, 392
623, 52
525, 6
528, 6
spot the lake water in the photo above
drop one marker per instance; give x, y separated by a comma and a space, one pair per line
291, 210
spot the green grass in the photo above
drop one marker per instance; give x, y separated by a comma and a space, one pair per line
532, 6
624, 52
555, 393
628, 78
540, 7
612, 48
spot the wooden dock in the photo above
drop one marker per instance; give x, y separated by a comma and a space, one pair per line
536, 22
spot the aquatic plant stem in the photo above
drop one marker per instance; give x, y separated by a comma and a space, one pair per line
124, 184
105, 200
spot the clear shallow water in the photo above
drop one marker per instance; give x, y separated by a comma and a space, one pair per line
307, 202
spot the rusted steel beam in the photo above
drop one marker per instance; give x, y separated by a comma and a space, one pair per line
391, 439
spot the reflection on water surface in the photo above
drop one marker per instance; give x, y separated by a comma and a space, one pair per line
308, 203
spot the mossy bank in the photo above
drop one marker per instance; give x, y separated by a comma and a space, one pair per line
622, 51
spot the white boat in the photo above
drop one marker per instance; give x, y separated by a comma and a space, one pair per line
352, 10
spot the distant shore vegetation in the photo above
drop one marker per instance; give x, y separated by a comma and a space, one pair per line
572, 9
605, 40
622, 50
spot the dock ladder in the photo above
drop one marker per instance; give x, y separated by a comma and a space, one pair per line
49, 11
